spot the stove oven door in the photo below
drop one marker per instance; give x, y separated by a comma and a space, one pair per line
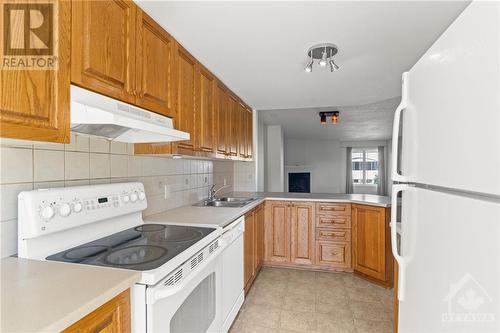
187, 304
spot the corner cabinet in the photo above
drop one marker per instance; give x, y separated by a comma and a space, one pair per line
34, 104
113, 316
372, 257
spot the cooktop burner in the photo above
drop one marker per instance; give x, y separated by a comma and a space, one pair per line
144, 247
150, 227
133, 255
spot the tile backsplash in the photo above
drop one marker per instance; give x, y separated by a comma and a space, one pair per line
169, 183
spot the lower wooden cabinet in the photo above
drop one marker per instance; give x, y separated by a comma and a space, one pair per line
114, 316
253, 243
321, 236
372, 255
302, 233
333, 254
277, 232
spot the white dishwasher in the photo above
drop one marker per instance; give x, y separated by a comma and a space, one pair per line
233, 293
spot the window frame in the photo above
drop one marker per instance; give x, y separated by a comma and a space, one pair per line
363, 162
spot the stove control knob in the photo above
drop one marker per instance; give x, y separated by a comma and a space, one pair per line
133, 197
142, 195
77, 207
126, 198
47, 212
64, 209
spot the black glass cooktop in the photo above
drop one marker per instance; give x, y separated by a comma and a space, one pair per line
142, 248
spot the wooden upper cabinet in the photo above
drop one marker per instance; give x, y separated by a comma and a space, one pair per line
186, 73
221, 120
370, 235
249, 131
277, 231
205, 113
232, 137
154, 66
242, 133
103, 47
302, 233
34, 104
113, 316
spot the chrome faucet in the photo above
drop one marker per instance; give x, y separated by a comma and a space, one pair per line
212, 192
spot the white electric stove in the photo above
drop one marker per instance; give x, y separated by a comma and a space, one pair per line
102, 225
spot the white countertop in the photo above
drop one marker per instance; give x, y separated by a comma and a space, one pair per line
221, 216
367, 199
45, 296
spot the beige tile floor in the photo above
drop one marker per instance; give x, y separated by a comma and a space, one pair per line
285, 300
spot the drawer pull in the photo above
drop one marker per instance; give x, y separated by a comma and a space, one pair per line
331, 221
332, 208
333, 253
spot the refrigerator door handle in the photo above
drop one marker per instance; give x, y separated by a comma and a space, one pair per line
402, 261
395, 175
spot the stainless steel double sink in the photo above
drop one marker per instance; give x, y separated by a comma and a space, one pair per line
225, 202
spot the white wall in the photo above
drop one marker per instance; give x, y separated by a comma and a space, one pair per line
322, 158
275, 159
26, 165
326, 160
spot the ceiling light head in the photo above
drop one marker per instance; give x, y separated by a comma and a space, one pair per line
309, 67
333, 66
335, 117
324, 54
323, 118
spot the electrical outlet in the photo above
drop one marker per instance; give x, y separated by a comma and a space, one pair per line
167, 191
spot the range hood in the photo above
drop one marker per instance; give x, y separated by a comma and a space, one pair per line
99, 115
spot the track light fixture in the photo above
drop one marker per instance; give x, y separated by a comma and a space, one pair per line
324, 53
333, 114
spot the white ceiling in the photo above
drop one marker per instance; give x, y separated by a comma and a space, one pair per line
259, 48
356, 123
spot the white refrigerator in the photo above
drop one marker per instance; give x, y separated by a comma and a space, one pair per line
446, 153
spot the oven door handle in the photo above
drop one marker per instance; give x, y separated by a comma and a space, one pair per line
154, 294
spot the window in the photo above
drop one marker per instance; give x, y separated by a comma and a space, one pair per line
365, 166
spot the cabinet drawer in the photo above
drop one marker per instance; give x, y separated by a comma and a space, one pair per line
331, 254
333, 209
334, 235
333, 221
